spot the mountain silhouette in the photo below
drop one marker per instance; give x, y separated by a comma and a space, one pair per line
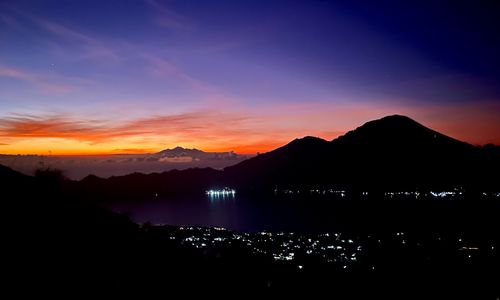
394, 151
391, 153
180, 151
138, 186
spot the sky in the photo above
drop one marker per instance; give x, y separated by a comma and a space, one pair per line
104, 77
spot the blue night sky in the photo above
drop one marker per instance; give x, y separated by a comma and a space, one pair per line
81, 77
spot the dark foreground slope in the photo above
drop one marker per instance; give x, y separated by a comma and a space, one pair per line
58, 243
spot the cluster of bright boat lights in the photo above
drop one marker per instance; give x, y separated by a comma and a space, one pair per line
224, 192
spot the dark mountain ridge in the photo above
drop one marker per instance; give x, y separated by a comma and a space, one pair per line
392, 153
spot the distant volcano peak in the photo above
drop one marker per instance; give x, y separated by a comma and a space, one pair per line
179, 149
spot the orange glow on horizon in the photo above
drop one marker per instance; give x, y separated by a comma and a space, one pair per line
255, 130
77, 150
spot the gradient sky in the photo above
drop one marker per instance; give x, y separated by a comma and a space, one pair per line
92, 77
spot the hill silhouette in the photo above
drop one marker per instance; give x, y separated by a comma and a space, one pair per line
392, 152
138, 186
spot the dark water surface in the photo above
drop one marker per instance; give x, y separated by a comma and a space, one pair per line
236, 213
315, 214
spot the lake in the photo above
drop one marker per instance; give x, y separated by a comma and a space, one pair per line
312, 213
237, 213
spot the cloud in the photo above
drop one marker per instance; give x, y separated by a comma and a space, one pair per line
133, 150
243, 130
29, 126
83, 45
161, 67
209, 130
92, 48
182, 159
167, 18
192, 125
43, 82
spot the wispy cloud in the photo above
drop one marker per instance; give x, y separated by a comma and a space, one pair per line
194, 125
167, 18
134, 150
31, 126
91, 48
243, 130
161, 67
208, 129
83, 45
43, 82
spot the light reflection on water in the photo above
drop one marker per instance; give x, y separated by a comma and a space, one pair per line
229, 211
214, 198
279, 213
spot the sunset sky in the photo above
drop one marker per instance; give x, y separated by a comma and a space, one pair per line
101, 77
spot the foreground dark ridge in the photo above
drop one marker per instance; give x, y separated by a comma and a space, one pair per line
58, 243
392, 153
